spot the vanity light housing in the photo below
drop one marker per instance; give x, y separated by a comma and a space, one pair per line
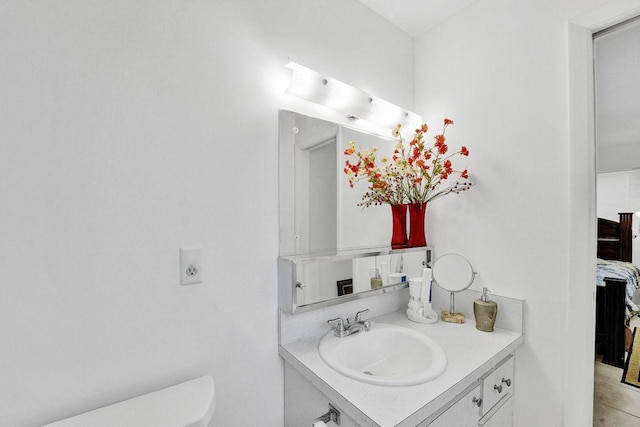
354, 103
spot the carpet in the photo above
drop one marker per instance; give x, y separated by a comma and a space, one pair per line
631, 374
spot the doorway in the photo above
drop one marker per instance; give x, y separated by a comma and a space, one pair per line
578, 405
616, 53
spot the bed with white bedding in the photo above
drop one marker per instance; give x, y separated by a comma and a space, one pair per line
622, 270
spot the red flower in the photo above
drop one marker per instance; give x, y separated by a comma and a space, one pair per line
413, 175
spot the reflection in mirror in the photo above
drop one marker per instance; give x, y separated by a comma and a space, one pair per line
319, 212
312, 282
329, 245
453, 273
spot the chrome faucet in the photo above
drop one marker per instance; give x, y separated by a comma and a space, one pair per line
346, 327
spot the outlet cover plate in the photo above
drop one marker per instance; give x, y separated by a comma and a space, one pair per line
190, 270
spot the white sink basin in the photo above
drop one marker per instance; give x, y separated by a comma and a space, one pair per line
387, 355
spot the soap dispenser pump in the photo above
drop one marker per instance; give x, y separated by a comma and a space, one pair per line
485, 312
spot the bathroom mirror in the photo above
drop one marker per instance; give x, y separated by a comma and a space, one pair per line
329, 244
453, 273
319, 212
309, 282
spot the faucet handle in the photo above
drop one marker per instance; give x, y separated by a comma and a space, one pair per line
357, 318
340, 330
339, 324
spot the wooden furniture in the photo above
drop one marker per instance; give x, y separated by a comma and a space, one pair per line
615, 238
614, 243
610, 321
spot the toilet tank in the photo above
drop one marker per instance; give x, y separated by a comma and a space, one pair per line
188, 404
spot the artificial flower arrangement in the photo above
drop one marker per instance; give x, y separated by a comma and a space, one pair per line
415, 175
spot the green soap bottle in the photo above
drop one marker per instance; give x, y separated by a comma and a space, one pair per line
376, 280
485, 312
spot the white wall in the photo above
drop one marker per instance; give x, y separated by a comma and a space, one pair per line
130, 129
617, 90
514, 76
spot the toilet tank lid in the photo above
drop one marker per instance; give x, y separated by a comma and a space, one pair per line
188, 404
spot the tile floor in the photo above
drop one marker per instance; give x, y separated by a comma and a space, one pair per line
615, 404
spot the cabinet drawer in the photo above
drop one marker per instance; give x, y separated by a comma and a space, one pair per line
498, 384
464, 412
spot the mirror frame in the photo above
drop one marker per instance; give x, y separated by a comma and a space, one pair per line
473, 272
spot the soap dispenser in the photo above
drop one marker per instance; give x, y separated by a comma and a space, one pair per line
376, 280
485, 312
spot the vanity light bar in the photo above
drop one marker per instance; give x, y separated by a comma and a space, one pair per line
354, 103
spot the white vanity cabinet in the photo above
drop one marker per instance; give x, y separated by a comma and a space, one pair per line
489, 403
476, 389
303, 403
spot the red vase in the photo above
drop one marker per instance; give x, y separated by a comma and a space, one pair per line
399, 233
416, 225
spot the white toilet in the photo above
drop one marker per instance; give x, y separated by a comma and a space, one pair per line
189, 404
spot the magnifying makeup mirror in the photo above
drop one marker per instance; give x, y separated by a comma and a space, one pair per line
453, 273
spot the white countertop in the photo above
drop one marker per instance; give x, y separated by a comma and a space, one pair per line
470, 353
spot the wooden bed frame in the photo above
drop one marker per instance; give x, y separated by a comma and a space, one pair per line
614, 243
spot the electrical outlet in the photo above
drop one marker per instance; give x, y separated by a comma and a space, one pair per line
190, 271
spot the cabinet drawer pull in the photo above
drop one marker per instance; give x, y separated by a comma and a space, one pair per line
498, 387
477, 401
507, 381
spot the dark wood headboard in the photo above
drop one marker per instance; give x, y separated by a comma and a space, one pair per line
615, 239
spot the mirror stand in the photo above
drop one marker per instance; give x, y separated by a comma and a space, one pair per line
453, 273
451, 315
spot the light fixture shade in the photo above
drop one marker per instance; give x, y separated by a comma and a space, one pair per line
348, 100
